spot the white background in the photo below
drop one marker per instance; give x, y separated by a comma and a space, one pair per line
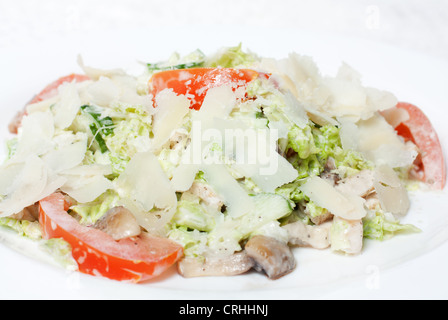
420, 26
415, 24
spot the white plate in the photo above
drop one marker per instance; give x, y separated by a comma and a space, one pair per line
411, 266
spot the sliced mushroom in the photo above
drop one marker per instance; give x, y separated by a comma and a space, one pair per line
119, 223
303, 235
270, 255
231, 265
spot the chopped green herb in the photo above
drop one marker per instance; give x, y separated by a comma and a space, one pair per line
101, 126
158, 66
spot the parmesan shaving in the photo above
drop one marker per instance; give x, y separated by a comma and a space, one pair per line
171, 109
145, 181
253, 154
26, 187
103, 92
391, 192
379, 142
218, 103
68, 155
95, 73
345, 205
35, 135
66, 109
236, 199
84, 188
326, 98
395, 116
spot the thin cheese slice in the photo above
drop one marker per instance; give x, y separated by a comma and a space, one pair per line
26, 187
218, 103
379, 142
66, 109
347, 206
171, 110
391, 193
68, 155
254, 154
295, 111
145, 182
35, 135
236, 199
86, 188
85, 183
183, 176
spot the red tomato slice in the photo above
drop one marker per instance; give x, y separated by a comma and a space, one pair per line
431, 167
133, 259
196, 81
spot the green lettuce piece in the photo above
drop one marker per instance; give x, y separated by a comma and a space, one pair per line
265, 89
306, 159
195, 59
314, 210
381, 226
313, 145
92, 211
191, 214
268, 207
338, 235
327, 140
132, 131
11, 147
230, 231
298, 199
350, 162
24, 228
310, 166
118, 163
302, 141
292, 192
61, 251
194, 242
231, 57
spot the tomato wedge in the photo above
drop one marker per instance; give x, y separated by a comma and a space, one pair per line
48, 92
195, 82
133, 259
430, 165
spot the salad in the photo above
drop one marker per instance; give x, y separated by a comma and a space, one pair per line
217, 164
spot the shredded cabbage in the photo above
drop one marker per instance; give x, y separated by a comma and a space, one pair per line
380, 225
24, 228
231, 57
